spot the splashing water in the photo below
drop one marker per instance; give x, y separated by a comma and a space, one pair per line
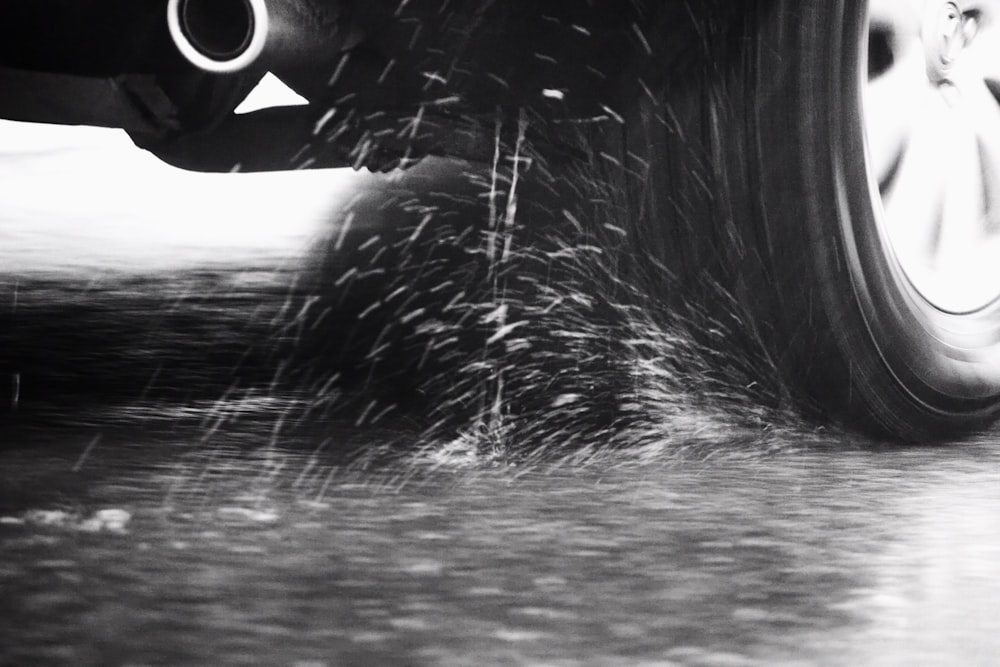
533, 333
504, 313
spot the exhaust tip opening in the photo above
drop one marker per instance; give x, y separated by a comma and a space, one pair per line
218, 35
221, 29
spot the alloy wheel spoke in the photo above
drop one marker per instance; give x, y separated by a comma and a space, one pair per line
983, 116
914, 200
984, 51
963, 209
890, 102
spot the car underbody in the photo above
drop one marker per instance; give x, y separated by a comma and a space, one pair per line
387, 83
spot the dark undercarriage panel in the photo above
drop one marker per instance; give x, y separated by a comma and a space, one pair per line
388, 82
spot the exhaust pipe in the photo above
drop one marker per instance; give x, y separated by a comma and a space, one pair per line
219, 36
226, 36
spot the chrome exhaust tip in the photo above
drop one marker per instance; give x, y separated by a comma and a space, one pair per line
221, 36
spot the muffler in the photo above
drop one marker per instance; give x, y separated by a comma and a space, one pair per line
225, 36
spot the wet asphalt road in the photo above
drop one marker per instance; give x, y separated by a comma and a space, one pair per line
154, 512
244, 554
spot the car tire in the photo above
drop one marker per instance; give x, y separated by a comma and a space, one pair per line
747, 163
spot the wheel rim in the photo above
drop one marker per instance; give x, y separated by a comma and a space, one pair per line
932, 121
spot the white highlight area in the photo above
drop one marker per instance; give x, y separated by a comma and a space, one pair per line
270, 92
83, 199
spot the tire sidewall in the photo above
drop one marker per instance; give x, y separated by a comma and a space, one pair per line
932, 369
